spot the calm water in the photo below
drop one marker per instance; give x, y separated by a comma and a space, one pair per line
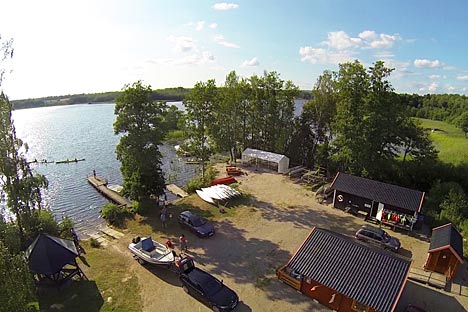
81, 131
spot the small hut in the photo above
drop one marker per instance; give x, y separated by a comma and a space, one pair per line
53, 258
445, 251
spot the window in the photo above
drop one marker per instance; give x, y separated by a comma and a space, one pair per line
358, 307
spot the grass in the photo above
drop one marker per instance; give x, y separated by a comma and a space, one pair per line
108, 277
450, 142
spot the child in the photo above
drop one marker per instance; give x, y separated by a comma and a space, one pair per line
183, 243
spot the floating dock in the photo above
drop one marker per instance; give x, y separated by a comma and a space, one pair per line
177, 191
100, 184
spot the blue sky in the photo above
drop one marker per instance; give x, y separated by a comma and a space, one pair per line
65, 47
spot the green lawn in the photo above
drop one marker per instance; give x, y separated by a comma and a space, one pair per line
450, 141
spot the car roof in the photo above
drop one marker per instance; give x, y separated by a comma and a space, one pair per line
187, 213
199, 276
372, 229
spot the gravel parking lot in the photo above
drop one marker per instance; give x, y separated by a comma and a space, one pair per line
248, 248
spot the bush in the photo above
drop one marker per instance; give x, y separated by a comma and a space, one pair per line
195, 184
40, 221
114, 214
175, 136
141, 207
94, 243
65, 227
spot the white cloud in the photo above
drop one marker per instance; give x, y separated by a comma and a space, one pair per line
182, 43
200, 25
432, 87
192, 59
224, 6
321, 56
451, 88
424, 63
384, 55
434, 76
252, 62
462, 78
213, 25
367, 39
220, 40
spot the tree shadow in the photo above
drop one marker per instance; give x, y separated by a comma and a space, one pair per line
405, 253
163, 273
428, 299
72, 298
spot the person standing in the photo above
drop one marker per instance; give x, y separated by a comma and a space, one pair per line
183, 242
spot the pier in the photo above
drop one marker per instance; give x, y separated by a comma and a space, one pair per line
177, 191
100, 184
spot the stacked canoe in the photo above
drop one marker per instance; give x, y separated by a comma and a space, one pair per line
216, 193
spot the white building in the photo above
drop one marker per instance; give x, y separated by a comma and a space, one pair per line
271, 160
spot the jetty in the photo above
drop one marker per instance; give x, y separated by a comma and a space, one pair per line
100, 184
177, 191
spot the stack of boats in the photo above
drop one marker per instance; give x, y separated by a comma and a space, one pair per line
216, 193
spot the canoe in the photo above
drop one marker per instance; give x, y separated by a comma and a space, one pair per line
67, 161
205, 196
226, 180
147, 250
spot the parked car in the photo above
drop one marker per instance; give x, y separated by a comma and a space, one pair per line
196, 224
377, 237
206, 288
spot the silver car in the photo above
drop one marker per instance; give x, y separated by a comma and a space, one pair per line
377, 237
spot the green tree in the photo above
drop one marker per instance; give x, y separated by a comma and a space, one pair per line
140, 121
455, 207
201, 104
463, 122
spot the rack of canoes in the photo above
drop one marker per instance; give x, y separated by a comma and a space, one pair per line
225, 180
65, 161
234, 171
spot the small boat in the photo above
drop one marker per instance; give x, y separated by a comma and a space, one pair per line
67, 161
226, 180
192, 161
205, 196
147, 250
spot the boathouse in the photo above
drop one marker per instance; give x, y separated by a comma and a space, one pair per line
445, 251
346, 275
268, 159
387, 203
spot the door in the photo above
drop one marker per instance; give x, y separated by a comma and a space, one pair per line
443, 261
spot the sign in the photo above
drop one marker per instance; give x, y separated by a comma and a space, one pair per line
340, 198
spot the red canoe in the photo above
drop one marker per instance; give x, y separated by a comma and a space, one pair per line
226, 180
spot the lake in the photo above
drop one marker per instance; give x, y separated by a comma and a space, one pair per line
82, 131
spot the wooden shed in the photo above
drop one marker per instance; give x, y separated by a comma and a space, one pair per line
390, 204
346, 275
445, 251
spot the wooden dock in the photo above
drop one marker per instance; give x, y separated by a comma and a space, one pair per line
174, 189
100, 184
430, 278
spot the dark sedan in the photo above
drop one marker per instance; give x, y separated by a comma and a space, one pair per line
207, 288
196, 224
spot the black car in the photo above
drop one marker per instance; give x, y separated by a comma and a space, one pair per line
206, 288
196, 224
378, 237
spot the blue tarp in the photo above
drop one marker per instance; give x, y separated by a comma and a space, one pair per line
48, 254
147, 244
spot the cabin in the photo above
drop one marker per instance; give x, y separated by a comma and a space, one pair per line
267, 159
345, 274
445, 251
388, 204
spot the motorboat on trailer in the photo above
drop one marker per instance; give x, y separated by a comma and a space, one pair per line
147, 250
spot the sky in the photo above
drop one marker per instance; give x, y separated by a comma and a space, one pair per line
87, 46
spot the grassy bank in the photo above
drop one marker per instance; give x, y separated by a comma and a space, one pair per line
110, 286
448, 140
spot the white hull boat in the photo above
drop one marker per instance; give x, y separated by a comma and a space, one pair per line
151, 251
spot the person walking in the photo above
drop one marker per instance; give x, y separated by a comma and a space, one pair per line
163, 219
183, 242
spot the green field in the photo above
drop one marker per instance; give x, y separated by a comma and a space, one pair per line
449, 141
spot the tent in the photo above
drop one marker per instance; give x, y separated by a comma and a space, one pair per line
274, 160
49, 255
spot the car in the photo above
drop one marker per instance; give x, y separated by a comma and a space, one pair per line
377, 237
206, 288
196, 224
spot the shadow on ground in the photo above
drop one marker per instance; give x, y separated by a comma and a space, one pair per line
71, 298
428, 299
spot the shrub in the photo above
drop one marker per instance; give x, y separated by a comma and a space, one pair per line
94, 243
40, 221
194, 184
141, 207
65, 227
114, 214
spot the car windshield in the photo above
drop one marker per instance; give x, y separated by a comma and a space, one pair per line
386, 237
211, 286
197, 221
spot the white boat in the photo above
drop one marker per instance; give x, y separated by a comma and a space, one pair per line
232, 192
205, 196
151, 251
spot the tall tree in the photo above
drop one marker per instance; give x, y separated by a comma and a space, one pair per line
462, 123
201, 104
140, 121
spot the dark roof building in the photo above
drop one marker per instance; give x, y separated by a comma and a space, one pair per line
346, 275
378, 199
445, 251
